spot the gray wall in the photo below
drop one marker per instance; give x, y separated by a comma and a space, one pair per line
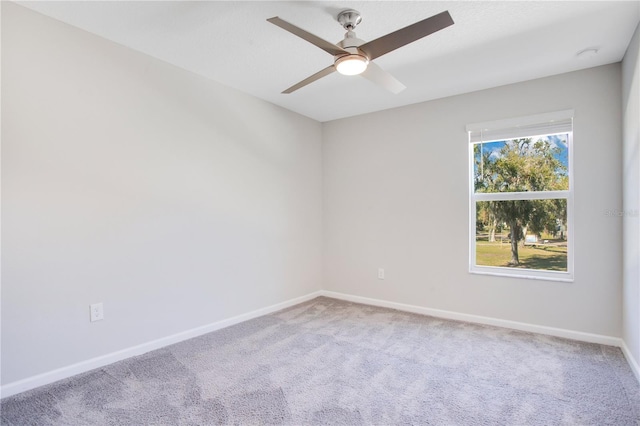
396, 196
631, 188
174, 200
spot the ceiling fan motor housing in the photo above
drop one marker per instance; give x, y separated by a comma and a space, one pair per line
350, 41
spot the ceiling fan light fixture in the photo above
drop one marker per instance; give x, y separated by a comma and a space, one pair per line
351, 64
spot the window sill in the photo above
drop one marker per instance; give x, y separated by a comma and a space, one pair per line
528, 274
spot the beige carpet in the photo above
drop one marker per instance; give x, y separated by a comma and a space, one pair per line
333, 362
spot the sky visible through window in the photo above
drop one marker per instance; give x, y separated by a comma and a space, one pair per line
493, 150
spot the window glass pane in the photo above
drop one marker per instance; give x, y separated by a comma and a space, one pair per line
530, 234
522, 165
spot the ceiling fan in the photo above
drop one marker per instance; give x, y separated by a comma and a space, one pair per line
353, 56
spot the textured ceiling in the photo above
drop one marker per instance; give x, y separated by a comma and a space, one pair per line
492, 43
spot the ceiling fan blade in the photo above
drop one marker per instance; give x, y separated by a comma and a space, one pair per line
328, 70
382, 78
313, 39
385, 44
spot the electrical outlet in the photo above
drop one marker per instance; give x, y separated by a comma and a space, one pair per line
380, 274
97, 312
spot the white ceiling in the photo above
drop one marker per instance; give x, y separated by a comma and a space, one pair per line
492, 43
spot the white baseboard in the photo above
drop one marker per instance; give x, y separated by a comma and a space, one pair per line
541, 329
90, 364
630, 359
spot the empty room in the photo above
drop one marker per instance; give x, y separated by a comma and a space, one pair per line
320, 212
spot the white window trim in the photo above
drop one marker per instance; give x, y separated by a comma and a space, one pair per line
535, 274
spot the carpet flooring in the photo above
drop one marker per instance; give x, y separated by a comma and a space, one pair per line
333, 362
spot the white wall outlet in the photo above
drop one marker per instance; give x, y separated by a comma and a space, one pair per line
97, 312
380, 274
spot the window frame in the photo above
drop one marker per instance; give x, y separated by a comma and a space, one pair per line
547, 119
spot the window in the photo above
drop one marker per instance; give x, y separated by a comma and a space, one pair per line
521, 197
